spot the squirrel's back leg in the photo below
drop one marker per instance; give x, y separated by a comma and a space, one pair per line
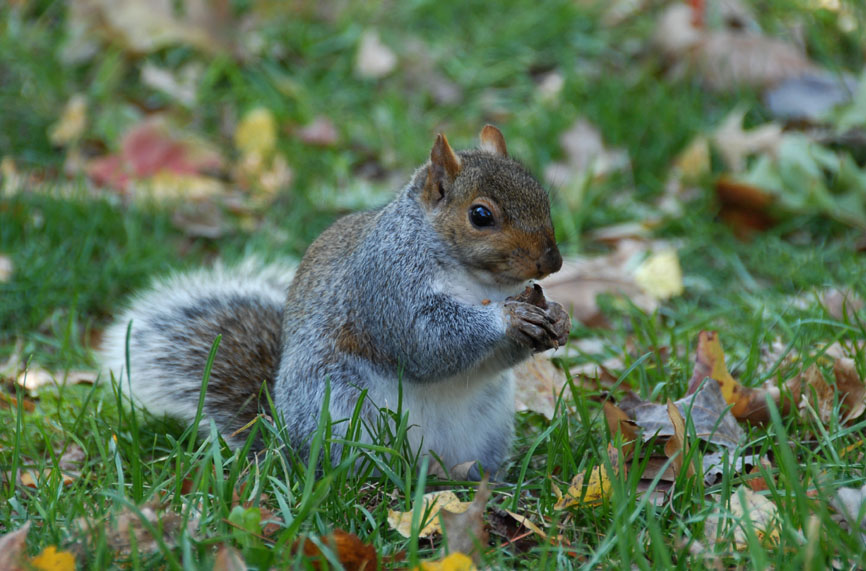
173, 326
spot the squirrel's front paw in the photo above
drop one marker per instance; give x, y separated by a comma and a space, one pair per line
536, 327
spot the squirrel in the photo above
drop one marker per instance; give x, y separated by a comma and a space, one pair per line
418, 300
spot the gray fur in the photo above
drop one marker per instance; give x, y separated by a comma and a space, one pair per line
378, 300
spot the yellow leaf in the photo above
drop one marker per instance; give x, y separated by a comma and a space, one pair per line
72, 121
597, 488
454, 562
433, 503
694, 161
49, 559
660, 275
256, 134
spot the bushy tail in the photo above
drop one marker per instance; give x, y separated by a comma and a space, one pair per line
173, 326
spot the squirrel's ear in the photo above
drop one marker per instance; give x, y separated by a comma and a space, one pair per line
492, 141
444, 168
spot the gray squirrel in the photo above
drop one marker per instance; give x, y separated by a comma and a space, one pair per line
424, 292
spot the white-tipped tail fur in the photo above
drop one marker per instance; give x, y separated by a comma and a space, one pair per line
173, 325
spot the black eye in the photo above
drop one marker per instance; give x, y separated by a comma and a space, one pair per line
480, 216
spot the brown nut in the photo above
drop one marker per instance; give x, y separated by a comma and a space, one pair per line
533, 295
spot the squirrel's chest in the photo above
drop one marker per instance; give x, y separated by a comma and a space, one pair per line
461, 419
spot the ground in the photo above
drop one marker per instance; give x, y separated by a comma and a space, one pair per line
134, 142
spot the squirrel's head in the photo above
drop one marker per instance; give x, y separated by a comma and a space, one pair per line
490, 211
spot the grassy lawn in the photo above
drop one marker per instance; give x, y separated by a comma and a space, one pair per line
141, 492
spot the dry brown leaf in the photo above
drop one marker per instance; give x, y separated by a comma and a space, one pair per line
816, 393
229, 559
465, 531
840, 304
374, 59
706, 409
618, 421
851, 388
320, 133
748, 403
677, 446
125, 526
13, 548
726, 58
757, 482
538, 383
353, 554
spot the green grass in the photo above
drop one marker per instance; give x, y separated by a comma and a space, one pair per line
77, 256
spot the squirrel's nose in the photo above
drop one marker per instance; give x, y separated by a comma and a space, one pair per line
549, 262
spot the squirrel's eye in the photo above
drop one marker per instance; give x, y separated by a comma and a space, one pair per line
480, 216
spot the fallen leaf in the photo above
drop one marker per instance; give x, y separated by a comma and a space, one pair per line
582, 280
851, 388
72, 122
152, 149
589, 487
619, 422
761, 514
587, 159
321, 133
432, 503
693, 162
6, 268
182, 86
229, 559
748, 403
726, 58
453, 562
817, 393
465, 531
677, 446
374, 59
706, 409
527, 523
538, 383
143, 27
353, 554
256, 133
840, 304
35, 377
125, 528
744, 207
735, 144
13, 548
660, 275
810, 97
851, 503
49, 559
32, 478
